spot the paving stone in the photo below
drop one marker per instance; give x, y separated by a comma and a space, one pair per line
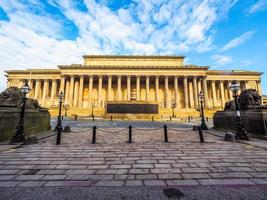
181, 182
134, 183
155, 183
143, 166
195, 170
112, 171
195, 176
6, 177
54, 177
146, 176
225, 182
68, 183
120, 166
51, 171
165, 171
32, 184
28, 177
169, 176
71, 167
230, 175
11, 171
258, 181
162, 166
124, 177
109, 183
9, 183
80, 171
146, 161
138, 171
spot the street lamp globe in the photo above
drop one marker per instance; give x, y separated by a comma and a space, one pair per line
25, 89
234, 86
61, 96
201, 95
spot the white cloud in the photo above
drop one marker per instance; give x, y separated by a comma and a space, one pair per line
34, 38
238, 41
258, 6
222, 60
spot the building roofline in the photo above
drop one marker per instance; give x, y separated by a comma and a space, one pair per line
134, 56
229, 72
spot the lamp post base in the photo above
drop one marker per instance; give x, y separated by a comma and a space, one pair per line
19, 136
204, 126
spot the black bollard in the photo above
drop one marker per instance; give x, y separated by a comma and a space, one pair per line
111, 118
201, 138
59, 131
93, 118
207, 119
62, 117
130, 134
170, 118
94, 135
165, 133
188, 118
152, 119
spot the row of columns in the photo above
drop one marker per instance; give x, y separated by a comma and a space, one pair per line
73, 90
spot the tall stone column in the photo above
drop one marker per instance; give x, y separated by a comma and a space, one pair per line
31, 87
109, 87
186, 93
214, 97
119, 88
205, 91
229, 90
71, 91
259, 87
176, 90
147, 88
100, 83
37, 87
62, 85
167, 98
67, 92
90, 91
191, 95
138, 88
129, 88
81, 92
44, 92
195, 92
53, 88
157, 88
222, 93
76, 93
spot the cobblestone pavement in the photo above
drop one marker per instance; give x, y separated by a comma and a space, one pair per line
148, 161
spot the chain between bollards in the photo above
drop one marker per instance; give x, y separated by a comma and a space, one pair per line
94, 135
201, 138
130, 134
165, 133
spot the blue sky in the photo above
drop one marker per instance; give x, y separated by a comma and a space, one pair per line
223, 34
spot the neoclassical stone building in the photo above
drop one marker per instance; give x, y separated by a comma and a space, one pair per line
162, 80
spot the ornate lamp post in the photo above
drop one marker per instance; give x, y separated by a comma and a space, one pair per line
20, 136
241, 133
59, 125
201, 99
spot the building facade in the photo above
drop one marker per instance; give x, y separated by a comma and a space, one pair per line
164, 80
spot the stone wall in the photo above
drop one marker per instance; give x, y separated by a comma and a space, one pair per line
35, 121
255, 121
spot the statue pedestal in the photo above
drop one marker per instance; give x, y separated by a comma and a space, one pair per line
255, 121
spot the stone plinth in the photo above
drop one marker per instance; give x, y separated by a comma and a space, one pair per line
255, 121
132, 107
35, 120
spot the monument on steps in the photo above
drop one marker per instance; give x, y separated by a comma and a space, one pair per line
36, 119
253, 114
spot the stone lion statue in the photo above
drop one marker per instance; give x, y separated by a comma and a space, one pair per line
12, 96
248, 99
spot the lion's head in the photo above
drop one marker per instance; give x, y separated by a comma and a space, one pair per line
11, 96
249, 98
